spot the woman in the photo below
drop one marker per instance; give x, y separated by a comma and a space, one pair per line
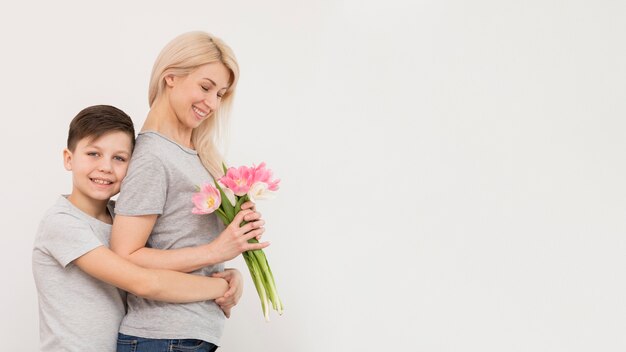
192, 85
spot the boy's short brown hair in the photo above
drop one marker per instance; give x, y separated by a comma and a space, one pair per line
95, 121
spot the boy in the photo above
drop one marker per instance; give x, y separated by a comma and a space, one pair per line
79, 310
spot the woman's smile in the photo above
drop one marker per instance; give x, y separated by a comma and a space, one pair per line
200, 114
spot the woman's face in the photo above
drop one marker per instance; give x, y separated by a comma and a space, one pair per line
194, 97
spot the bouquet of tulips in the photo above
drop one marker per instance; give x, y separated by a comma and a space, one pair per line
225, 197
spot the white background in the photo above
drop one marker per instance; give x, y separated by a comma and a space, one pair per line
453, 172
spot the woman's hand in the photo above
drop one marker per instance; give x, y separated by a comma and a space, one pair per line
252, 217
234, 239
235, 290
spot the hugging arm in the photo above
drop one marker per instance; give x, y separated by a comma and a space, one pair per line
130, 234
155, 284
235, 290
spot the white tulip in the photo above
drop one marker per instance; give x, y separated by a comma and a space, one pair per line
259, 191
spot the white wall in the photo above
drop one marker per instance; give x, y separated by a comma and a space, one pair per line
452, 171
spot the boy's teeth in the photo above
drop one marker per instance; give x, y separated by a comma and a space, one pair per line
101, 182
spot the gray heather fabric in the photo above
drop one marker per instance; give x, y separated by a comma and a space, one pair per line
76, 311
161, 179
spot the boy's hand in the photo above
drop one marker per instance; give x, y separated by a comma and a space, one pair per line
235, 290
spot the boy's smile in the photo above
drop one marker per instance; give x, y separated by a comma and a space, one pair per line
98, 168
101, 181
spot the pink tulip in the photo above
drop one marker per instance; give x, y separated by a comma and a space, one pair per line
207, 200
238, 180
261, 174
238, 185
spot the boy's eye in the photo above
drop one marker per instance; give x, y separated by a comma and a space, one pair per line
205, 88
119, 158
92, 153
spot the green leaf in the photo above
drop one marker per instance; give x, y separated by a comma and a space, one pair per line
240, 201
223, 217
229, 210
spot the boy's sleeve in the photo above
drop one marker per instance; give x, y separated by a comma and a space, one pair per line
144, 189
67, 237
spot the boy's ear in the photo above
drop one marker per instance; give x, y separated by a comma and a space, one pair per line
67, 159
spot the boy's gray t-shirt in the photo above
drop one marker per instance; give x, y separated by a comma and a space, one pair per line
161, 179
76, 311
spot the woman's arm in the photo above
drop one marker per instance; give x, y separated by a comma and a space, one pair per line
160, 285
130, 233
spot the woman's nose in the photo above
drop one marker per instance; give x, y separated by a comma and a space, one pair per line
211, 102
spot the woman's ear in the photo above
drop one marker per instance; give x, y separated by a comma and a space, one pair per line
67, 159
169, 80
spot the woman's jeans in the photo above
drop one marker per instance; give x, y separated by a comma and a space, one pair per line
126, 343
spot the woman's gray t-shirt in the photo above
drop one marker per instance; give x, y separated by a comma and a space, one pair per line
162, 178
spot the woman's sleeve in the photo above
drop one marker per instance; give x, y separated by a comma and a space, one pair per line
144, 189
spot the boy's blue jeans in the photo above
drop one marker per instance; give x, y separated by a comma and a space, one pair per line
126, 343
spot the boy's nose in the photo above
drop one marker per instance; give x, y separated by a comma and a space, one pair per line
105, 166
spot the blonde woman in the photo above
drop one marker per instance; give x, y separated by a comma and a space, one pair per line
192, 85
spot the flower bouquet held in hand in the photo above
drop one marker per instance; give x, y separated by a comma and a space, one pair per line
225, 197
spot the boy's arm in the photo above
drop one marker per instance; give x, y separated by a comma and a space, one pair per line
130, 234
235, 289
155, 284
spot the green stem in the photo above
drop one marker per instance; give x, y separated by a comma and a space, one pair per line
253, 266
259, 268
268, 279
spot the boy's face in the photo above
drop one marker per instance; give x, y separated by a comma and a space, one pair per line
98, 166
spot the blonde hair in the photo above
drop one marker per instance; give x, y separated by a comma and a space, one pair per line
182, 56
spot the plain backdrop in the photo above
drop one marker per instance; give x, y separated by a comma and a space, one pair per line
453, 171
